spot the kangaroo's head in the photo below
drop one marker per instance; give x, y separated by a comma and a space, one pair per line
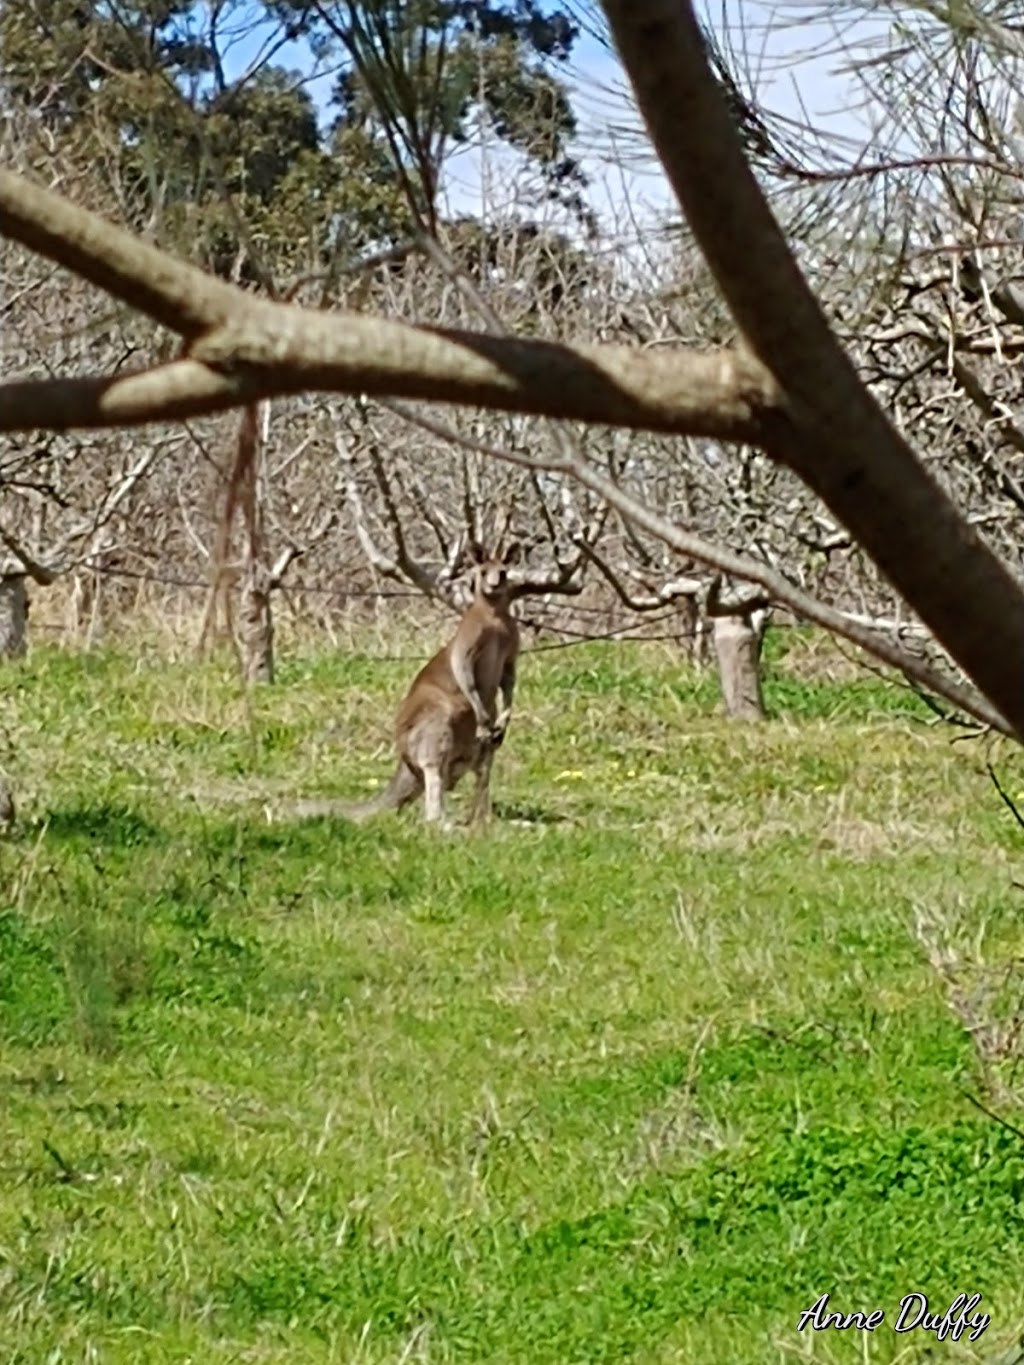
490, 574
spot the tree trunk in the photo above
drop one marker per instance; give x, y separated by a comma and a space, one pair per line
257, 625
13, 615
85, 610
257, 617
690, 631
8, 813
702, 641
738, 646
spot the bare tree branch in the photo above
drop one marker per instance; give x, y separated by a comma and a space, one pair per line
666, 594
241, 349
776, 587
737, 604
39, 573
400, 565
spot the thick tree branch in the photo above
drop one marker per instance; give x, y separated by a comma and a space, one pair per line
241, 348
277, 350
183, 298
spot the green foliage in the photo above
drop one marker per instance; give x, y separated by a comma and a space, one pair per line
422, 75
74, 51
636, 1080
140, 98
257, 130
529, 109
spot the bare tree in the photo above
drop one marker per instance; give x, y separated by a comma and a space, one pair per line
786, 386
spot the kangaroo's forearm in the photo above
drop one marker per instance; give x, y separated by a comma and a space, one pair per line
462, 670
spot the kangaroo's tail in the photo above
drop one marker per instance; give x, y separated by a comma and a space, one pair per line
404, 787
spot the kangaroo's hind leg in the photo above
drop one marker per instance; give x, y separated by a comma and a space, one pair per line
433, 794
480, 811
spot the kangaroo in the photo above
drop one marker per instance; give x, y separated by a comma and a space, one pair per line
448, 723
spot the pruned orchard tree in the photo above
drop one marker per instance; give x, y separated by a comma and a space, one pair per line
913, 233
784, 385
237, 213
237, 175
67, 503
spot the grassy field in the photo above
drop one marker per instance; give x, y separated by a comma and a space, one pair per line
681, 1043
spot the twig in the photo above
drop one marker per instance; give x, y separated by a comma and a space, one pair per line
1004, 794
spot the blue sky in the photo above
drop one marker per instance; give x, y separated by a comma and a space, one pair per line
794, 66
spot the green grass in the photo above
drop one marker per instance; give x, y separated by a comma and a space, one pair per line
634, 1076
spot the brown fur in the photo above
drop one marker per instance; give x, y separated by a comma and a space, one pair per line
449, 723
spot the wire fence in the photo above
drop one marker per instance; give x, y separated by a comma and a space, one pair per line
532, 620
566, 619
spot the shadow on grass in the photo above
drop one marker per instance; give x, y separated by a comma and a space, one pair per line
114, 826
501, 811
529, 813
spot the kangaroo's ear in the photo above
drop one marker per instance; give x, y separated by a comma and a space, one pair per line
475, 553
514, 553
